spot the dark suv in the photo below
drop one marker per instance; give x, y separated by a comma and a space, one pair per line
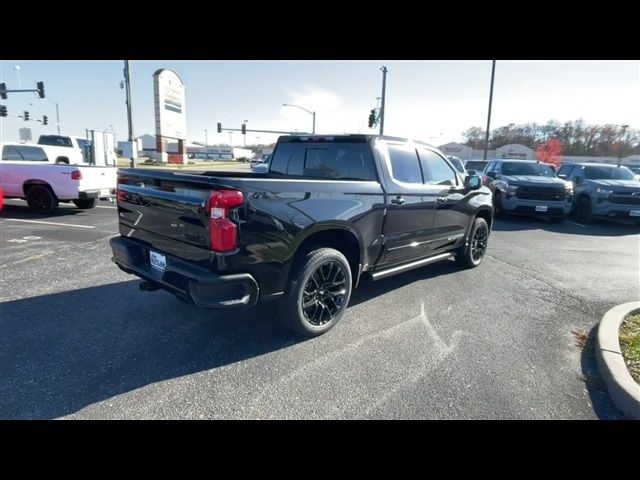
528, 187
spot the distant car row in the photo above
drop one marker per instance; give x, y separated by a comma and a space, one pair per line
586, 190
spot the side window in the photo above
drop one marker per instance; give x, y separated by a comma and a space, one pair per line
440, 172
489, 167
340, 161
577, 171
288, 159
10, 153
405, 165
564, 170
33, 154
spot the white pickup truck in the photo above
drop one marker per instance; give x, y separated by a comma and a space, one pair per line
65, 148
44, 185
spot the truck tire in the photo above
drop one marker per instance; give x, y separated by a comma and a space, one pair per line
584, 212
62, 161
85, 203
41, 199
472, 255
318, 292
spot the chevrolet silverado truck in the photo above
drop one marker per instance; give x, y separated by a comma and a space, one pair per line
25, 172
528, 187
329, 210
603, 190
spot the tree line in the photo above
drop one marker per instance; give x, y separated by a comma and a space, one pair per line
576, 137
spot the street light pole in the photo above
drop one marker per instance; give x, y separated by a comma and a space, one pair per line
313, 114
384, 88
486, 137
206, 144
127, 79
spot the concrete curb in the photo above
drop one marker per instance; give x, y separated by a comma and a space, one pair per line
624, 391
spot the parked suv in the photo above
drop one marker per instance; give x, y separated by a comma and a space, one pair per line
528, 187
603, 190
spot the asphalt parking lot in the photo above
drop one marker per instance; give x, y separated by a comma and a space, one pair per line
78, 339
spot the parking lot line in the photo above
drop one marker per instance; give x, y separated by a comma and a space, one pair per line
47, 223
105, 206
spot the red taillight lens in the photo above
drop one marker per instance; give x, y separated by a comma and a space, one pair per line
120, 195
223, 233
76, 175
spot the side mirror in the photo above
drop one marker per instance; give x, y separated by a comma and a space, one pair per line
472, 182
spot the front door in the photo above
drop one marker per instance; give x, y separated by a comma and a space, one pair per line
410, 206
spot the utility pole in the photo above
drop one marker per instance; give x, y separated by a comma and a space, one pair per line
486, 137
623, 144
127, 79
384, 87
206, 144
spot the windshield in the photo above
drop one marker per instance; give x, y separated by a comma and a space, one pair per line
608, 173
475, 165
532, 169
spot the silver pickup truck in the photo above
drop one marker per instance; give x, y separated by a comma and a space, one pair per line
528, 187
603, 190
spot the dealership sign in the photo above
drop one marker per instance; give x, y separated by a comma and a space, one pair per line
169, 104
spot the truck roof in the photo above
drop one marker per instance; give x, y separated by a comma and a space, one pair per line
344, 137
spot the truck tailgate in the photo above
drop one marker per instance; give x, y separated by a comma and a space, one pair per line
166, 211
103, 179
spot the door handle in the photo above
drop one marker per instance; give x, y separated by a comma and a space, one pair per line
442, 199
398, 200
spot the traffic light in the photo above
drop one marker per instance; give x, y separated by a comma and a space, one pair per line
40, 87
219, 128
3, 91
3, 110
372, 118
26, 116
244, 128
45, 120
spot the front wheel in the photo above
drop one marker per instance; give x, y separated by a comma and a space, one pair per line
85, 203
318, 292
472, 255
584, 212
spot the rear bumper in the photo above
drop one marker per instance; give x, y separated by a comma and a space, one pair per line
199, 286
88, 194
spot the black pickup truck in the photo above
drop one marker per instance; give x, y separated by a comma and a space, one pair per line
329, 210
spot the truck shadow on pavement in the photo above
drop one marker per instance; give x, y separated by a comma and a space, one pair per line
606, 228
62, 352
65, 351
24, 212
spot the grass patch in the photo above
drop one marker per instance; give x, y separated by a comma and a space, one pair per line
630, 345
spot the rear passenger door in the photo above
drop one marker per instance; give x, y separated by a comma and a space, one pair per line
451, 215
410, 204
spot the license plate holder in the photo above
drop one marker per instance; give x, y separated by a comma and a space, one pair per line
634, 213
542, 208
157, 261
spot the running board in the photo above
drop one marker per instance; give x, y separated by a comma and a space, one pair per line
409, 266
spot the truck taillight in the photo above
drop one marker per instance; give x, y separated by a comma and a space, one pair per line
76, 175
223, 233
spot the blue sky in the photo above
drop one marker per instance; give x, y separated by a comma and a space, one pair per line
434, 101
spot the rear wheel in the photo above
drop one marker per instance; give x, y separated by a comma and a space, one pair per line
472, 255
85, 203
318, 292
584, 212
41, 199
